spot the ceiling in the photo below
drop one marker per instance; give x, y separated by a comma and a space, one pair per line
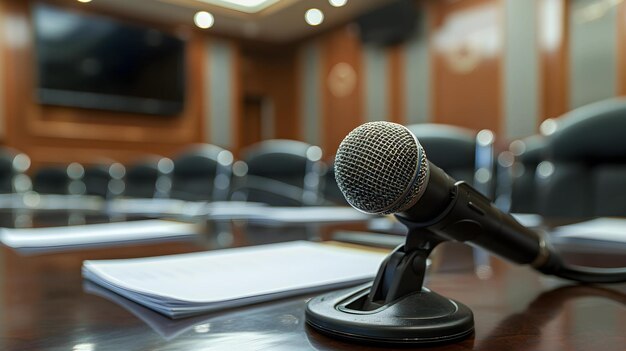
281, 22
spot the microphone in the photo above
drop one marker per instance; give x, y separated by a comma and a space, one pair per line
381, 168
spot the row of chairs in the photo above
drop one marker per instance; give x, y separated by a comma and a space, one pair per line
575, 167
278, 172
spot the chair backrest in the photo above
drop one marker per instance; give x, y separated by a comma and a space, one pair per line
460, 152
202, 172
149, 178
62, 180
585, 171
282, 172
105, 179
330, 190
527, 154
13, 167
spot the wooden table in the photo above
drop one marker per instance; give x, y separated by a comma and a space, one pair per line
46, 305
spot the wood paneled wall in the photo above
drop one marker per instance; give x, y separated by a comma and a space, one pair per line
466, 55
272, 74
396, 85
52, 135
466, 63
342, 85
466, 83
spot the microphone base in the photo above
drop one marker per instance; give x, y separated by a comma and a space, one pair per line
419, 318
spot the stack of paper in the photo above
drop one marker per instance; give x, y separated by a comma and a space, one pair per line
236, 210
604, 235
169, 328
90, 235
157, 207
184, 285
289, 215
52, 202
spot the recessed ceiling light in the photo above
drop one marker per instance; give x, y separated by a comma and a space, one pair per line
314, 17
204, 19
84, 1
250, 6
338, 3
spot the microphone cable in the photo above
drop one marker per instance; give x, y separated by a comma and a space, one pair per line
554, 265
585, 274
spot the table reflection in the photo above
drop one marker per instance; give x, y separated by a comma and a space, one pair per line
47, 305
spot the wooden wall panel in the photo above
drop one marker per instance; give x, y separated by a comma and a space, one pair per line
51, 134
466, 54
396, 84
342, 82
272, 74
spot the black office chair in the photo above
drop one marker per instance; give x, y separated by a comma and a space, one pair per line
60, 180
330, 190
526, 154
13, 168
203, 172
585, 171
281, 173
149, 178
105, 179
50, 180
462, 153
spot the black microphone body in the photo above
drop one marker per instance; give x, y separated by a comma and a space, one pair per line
381, 168
456, 211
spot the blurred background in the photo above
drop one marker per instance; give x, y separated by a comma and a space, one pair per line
261, 71
99, 82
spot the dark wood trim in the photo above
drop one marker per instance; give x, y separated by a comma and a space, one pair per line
396, 92
467, 88
340, 114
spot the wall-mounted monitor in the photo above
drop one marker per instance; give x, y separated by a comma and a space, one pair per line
97, 62
389, 24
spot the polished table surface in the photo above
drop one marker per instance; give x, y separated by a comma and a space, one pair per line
46, 305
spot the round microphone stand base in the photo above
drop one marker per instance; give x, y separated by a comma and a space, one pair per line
419, 318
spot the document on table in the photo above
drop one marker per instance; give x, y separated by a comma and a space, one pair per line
158, 207
52, 202
169, 328
597, 234
290, 215
238, 210
189, 284
63, 238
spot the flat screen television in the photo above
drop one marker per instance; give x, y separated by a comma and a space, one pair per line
390, 24
96, 62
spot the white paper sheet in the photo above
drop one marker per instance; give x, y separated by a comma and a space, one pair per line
158, 207
189, 284
600, 229
94, 234
290, 215
53, 202
602, 236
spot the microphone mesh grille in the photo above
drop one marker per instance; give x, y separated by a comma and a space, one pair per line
381, 168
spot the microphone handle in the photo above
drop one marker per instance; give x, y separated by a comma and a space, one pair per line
471, 217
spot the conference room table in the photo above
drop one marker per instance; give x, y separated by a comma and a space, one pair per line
46, 305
